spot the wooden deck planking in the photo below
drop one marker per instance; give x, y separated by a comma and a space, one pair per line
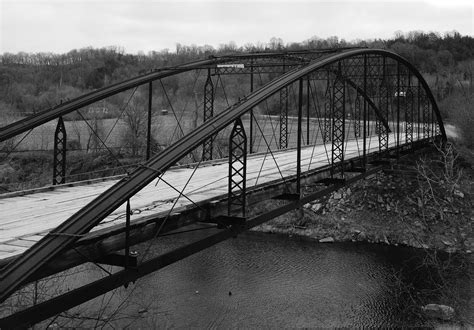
24, 217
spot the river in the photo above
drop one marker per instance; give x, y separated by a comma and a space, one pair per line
261, 280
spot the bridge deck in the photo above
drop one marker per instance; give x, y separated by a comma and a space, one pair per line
27, 218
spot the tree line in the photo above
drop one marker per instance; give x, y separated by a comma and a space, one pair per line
30, 82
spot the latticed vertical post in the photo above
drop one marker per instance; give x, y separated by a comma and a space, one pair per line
425, 104
437, 129
251, 110
148, 135
409, 105
59, 161
300, 137
284, 118
365, 117
338, 124
237, 169
357, 116
208, 114
419, 108
327, 112
398, 109
308, 91
383, 109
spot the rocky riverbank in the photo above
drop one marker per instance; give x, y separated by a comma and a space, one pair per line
426, 206
402, 206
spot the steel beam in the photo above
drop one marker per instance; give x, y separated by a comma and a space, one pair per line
148, 135
299, 137
237, 170
384, 93
338, 125
284, 118
357, 115
251, 110
426, 116
409, 106
207, 115
308, 100
59, 161
365, 117
327, 111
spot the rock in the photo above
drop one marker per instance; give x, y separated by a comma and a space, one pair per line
337, 195
379, 199
348, 192
442, 312
326, 240
307, 206
316, 207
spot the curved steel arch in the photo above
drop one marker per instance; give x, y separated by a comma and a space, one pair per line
17, 272
42, 117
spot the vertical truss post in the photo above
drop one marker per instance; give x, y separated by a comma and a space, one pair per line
300, 136
284, 118
127, 233
437, 129
338, 123
364, 152
148, 136
398, 108
208, 114
433, 122
307, 108
357, 115
409, 105
426, 115
418, 108
237, 169
251, 110
327, 111
59, 161
383, 107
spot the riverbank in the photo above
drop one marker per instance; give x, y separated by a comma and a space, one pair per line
400, 206
426, 206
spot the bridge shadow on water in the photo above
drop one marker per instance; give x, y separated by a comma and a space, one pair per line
260, 280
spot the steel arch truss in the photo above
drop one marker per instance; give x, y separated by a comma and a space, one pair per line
389, 90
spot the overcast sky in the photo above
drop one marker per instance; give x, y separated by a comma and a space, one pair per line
143, 25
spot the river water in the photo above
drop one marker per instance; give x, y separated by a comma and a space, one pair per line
260, 280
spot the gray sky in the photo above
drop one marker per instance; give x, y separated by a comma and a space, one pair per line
143, 25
